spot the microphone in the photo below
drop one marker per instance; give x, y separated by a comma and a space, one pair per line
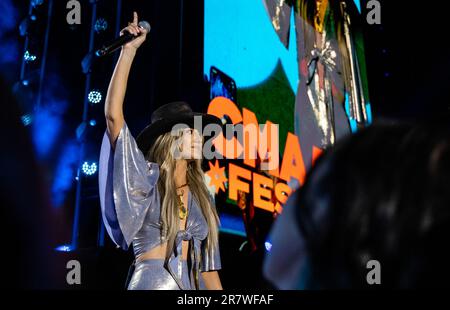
122, 40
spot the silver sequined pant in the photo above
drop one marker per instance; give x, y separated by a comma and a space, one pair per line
151, 275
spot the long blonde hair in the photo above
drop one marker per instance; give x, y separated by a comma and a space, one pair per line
162, 153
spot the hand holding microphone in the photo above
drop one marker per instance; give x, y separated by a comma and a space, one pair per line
139, 31
131, 37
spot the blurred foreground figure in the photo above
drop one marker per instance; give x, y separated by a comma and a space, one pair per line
26, 261
384, 195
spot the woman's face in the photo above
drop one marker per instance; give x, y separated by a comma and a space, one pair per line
191, 144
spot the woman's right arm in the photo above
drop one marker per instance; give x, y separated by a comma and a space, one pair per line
118, 84
127, 182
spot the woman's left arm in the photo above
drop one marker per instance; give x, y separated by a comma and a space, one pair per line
212, 280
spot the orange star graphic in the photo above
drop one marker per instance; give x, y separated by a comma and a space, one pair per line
217, 175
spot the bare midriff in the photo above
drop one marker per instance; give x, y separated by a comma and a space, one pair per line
159, 252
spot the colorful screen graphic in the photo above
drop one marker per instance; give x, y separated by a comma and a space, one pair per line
254, 78
240, 41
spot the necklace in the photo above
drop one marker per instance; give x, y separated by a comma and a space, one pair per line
182, 211
182, 185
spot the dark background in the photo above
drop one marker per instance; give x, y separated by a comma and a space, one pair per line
408, 72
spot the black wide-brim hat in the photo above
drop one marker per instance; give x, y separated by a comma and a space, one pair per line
165, 117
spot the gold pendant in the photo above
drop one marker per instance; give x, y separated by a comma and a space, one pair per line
182, 209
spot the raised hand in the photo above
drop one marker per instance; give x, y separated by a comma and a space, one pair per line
134, 29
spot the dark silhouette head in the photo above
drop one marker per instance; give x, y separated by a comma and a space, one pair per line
383, 194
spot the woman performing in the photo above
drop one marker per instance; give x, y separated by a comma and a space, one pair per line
332, 95
153, 193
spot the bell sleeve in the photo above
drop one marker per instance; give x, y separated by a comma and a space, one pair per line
127, 187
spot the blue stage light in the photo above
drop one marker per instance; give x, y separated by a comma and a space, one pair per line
28, 57
64, 248
26, 119
268, 246
89, 169
94, 96
92, 122
100, 25
36, 3
25, 82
